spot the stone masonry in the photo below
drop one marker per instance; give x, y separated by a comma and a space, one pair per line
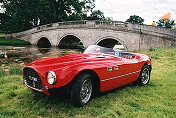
131, 36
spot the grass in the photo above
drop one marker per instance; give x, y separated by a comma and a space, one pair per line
2, 35
155, 100
11, 42
13, 70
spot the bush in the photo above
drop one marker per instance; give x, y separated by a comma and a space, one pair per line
12, 42
135, 19
152, 49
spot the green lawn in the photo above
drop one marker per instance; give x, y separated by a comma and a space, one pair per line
12, 42
155, 100
2, 35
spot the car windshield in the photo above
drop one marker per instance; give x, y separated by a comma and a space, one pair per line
98, 49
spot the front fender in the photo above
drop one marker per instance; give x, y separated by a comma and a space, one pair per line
66, 74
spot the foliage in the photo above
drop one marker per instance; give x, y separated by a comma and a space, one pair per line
2, 35
24, 14
151, 49
163, 23
12, 42
157, 99
135, 19
108, 19
97, 15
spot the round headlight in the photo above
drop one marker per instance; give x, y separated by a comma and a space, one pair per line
51, 78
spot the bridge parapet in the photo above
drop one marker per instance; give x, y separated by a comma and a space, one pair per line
107, 25
160, 31
132, 36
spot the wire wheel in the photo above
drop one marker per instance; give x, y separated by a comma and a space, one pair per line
81, 90
86, 91
145, 76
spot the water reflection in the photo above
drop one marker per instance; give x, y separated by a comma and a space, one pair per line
44, 50
25, 55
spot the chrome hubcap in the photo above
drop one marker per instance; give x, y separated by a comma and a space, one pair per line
86, 91
145, 76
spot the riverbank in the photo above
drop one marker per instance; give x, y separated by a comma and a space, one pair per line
157, 99
12, 42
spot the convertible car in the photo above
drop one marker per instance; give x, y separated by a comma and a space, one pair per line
98, 69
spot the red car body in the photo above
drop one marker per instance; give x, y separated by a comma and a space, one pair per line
112, 71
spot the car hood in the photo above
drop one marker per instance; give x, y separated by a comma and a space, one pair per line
68, 60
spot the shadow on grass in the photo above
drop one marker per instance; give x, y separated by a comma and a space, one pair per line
63, 99
131, 85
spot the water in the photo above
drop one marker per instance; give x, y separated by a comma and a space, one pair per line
25, 55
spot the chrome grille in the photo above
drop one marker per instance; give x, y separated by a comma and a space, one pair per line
32, 79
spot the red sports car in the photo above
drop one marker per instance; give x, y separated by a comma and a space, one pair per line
98, 69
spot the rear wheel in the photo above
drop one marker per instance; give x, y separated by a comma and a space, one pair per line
144, 76
81, 90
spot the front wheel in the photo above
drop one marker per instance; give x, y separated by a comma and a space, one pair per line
81, 90
144, 76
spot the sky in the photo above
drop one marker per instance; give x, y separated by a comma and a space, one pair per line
150, 10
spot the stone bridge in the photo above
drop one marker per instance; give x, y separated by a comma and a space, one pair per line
104, 33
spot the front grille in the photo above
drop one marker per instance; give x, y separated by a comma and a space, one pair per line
32, 79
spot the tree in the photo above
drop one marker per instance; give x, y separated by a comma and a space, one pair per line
163, 23
97, 15
135, 19
24, 14
108, 19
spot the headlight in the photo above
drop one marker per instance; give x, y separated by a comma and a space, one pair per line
51, 78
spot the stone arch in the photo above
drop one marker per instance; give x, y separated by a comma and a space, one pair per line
43, 42
110, 42
70, 41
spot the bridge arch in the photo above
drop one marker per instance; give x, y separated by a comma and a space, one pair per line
70, 41
110, 42
43, 42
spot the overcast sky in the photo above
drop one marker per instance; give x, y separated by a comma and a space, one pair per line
150, 10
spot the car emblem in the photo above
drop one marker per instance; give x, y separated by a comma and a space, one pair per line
33, 84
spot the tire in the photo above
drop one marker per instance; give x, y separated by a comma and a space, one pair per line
144, 76
81, 90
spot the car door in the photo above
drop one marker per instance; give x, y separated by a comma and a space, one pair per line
119, 71
113, 75
131, 69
